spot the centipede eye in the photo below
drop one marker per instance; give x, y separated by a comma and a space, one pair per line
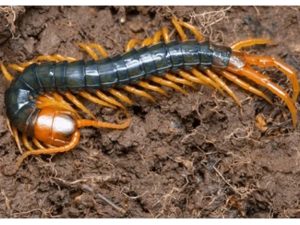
54, 126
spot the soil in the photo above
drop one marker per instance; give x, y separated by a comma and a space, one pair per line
194, 155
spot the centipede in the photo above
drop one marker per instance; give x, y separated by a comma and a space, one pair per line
43, 104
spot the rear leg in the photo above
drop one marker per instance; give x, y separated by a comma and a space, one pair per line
263, 81
268, 61
234, 79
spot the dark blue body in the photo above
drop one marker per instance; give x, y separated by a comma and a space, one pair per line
103, 74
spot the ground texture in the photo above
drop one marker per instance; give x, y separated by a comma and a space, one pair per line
198, 155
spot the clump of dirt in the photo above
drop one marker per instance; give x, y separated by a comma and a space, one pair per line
195, 155
8, 17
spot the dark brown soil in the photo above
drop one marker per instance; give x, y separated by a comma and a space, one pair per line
198, 155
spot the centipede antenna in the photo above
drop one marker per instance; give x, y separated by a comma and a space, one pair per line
100, 124
48, 151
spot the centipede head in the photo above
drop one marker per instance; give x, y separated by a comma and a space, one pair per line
54, 126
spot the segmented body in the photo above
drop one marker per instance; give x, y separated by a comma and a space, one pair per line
120, 70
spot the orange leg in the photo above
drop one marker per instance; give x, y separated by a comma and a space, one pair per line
167, 83
139, 92
131, 44
156, 37
165, 34
148, 86
250, 42
244, 85
120, 96
95, 100
260, 79
37, 143
89, 49
206, 80
224, 86
179, 29
268, 61
26, 142
178, 80
5, 73
199, 37
191, 78
47, 58
17, 139
146, 42
56, 102
76, 102
108, 99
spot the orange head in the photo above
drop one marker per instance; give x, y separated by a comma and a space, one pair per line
54, 126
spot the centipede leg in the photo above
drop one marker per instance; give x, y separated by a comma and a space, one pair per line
250, 42
261, 80
42, 58
203, 79
26, 142
224, 86
178, 80
5, 73
179, 29
95, 100
37, 143
139, 92
76, 102
56, 101
17, 139
120, 96
167, 83
268, 61
151, 87
131, 44
244, 85
199, 37
108, 99
89, 49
